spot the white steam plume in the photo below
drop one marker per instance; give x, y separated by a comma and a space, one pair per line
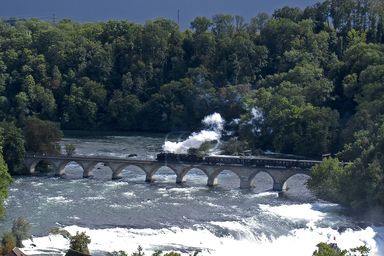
214, 124
214, 121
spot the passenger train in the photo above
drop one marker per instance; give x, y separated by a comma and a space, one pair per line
257, 161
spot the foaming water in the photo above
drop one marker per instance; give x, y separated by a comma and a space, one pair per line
297, 242
120, 215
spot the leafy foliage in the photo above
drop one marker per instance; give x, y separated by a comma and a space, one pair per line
13, 147
42, 136
234, 147
21, 229
329, 250
79, 242
5, 178
360, 183
69, 149
8, 242
327, 179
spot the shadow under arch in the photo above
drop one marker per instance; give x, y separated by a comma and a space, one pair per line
100, 170
71, 168
132, 172
295, 184
164, 173
227, 178
195, 175
262, 181
42, 166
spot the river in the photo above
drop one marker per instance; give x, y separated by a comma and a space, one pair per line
219, 221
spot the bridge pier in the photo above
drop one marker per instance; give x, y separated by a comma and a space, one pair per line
212, 181
88, 173
149, 178
180, 179
88, 168
246, 183
116, 176
279, 186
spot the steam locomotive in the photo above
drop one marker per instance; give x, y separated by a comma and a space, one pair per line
256, 161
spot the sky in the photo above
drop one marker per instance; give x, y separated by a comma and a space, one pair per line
139, 10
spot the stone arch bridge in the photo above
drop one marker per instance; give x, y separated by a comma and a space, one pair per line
280, 170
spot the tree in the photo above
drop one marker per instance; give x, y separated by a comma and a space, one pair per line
42, 136
294, 14
123, 111
13, 147
79, 111
234, 147
79, 242
341, 13
280, 119
327, 179
200, 24
21, 229
139, 251
223, 25
258, 23
5, 178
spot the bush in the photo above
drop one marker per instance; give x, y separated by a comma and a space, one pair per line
70, 149
139, 252
79, 242
234, 147
325, 249
8, 242
21, 230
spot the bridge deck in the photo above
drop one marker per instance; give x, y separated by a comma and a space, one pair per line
246, 168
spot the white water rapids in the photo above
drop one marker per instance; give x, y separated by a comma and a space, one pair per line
221, 221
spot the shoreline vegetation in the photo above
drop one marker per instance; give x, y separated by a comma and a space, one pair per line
306, 82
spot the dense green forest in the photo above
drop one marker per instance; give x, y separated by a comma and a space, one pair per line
301, 81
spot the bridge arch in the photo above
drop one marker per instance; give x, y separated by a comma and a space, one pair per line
218, 171
292, 176
128, 168
213, 179
98, 169
182, 177
63, 165
32, 166
166, 169
262, 180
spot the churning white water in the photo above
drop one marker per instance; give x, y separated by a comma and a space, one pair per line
221, 221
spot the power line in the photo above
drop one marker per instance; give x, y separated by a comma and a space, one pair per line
178, 17
54, 19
